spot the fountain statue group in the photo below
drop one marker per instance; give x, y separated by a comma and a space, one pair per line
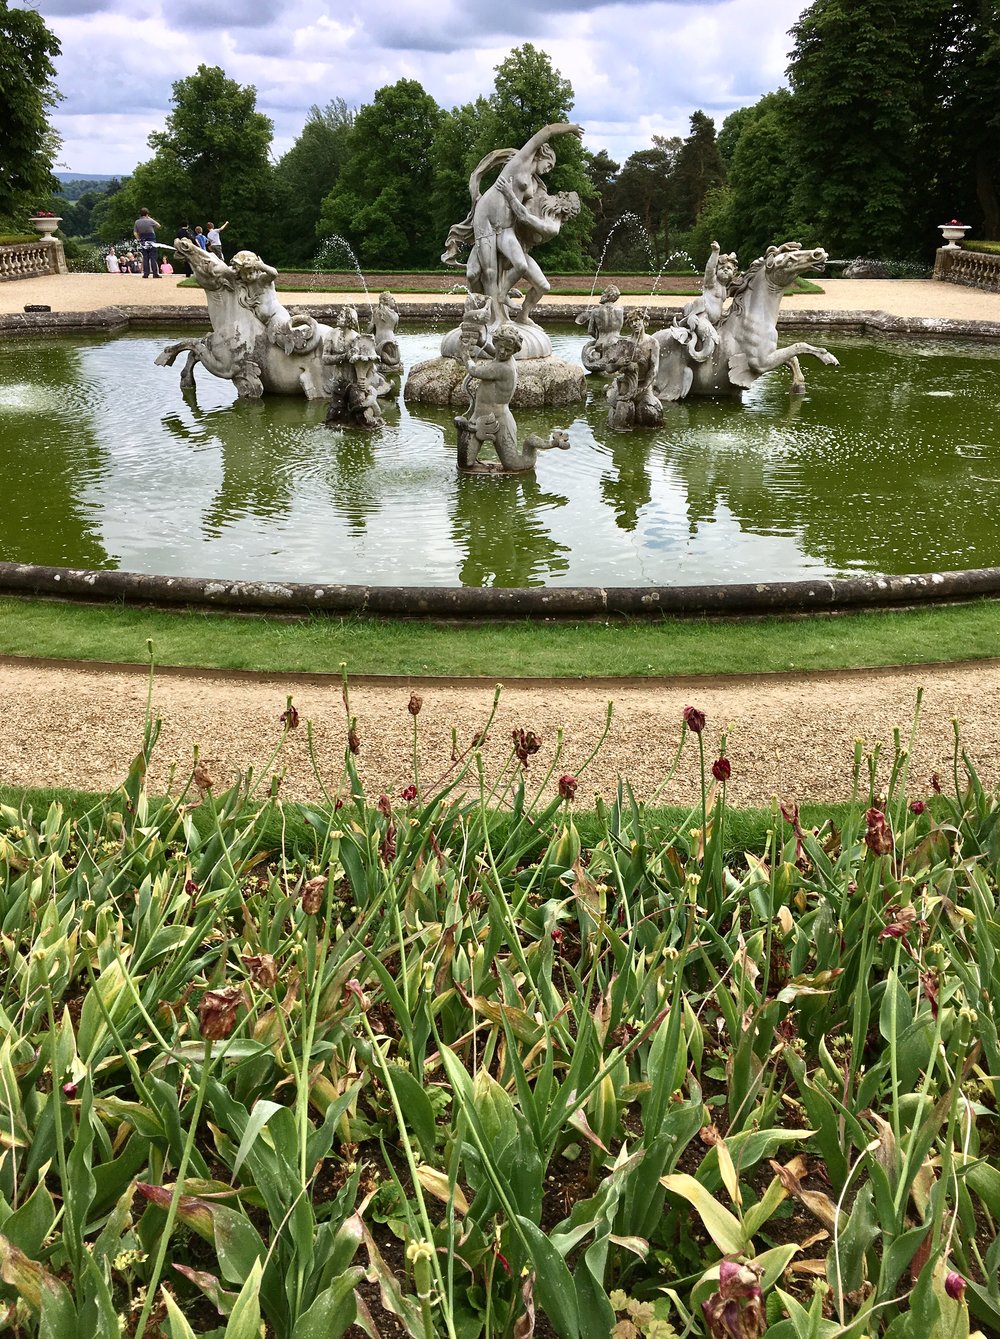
723, 340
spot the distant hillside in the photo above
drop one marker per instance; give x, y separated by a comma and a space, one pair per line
75, 184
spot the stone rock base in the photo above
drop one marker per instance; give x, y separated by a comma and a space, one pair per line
541, 382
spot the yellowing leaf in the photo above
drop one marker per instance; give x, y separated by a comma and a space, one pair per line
722, 1226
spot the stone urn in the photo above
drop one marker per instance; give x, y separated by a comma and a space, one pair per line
953, 233
44, 224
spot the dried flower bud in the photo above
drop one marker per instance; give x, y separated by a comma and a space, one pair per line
722, 769
353, 987
217, 1013
414, 704
917, 807
954, 1285
567, 787
190, 887
935, 783
262, 968
408, 794
385, 805
69, 1090
694, 720
354, 739
289, 718
202, 777
387, 849
312, 895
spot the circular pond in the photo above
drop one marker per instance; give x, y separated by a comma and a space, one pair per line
889, 464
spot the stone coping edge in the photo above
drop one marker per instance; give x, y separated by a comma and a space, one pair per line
794, 597
114, 320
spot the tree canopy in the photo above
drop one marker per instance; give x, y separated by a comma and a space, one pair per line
28, 144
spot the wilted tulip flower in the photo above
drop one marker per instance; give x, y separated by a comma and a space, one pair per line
262, 968
722, 769
408, 793
354, 739
694, 720
736, 1311
917, 807
567, 787
312, 895
414, 704
878, 837
289, 718
217, 1013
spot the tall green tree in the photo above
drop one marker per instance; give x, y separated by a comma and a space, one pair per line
303, 178
529, 93
863, 73
454, 153
641, 200
210, 161
381, 204
697, 170
28, 144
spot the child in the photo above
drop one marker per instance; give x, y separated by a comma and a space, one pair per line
166, 267
111, 261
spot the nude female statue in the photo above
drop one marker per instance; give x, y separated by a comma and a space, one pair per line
510, 217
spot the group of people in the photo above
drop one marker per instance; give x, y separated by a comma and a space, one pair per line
148, 261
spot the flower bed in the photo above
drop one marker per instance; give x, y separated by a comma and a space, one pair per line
442, 1064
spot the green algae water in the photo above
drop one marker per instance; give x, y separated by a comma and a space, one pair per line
889, 464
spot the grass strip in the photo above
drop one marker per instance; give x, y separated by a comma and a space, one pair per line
528, 649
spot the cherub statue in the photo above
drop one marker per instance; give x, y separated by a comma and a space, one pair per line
635, 360
702, 315
385, 318
492, 381
604, 325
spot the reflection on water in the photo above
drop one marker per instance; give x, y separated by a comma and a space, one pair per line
889, 463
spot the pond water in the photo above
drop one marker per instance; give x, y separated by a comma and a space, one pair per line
890, 463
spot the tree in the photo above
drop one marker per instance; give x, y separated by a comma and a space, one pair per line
304, 176
862, 77
603, 173
28, 144
642, 191
697, 171
381, 204
455, 152
211, 161
759, 204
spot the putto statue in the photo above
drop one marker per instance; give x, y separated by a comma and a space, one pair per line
491, 382
385, 318
634, 361
746, 335
604, 325
351, 374
701, 316
506, 221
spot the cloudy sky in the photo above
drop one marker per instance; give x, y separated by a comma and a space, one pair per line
638, 67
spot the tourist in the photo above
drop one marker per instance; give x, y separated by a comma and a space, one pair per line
166, 267
111, 261
144, 232
201, 239
130, 265
213, 239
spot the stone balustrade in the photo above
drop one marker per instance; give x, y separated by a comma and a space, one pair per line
28, 260
974, 269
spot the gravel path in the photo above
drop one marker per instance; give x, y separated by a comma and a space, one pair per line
899, 297
788, 734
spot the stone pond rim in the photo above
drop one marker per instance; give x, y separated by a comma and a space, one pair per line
824, 595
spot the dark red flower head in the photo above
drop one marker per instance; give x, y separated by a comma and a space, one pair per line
917, 807
567, 787
878, 837
290, 717
694, 720
414, 704
217, 1013
722, 769
954, 1285
410, 793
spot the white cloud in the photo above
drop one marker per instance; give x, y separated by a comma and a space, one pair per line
638, 67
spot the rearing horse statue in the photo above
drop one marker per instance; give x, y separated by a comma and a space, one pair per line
748, 333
